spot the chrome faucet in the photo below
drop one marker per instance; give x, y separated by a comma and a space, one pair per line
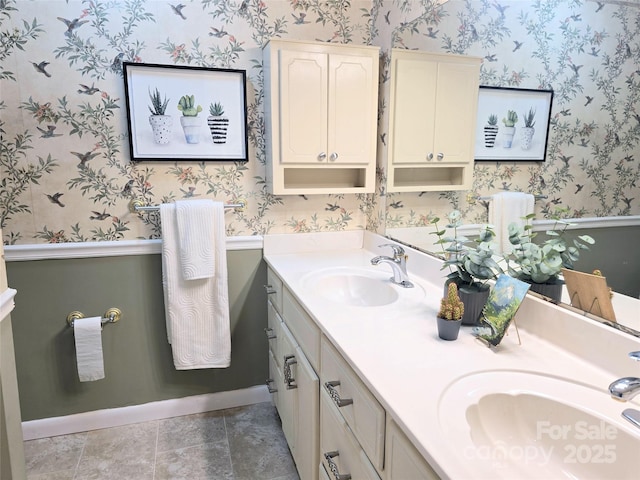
625, 389
398, 264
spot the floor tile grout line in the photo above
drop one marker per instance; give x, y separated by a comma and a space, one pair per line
226, 436
155, 451
84, 444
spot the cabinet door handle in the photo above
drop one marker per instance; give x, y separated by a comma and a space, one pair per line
333, 157
288, 377
322, 157
440, 156
270, 334
269, 387
430, 157
335, 396
329, 456
269, 289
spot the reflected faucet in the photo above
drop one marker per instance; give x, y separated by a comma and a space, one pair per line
624, 389
398, 264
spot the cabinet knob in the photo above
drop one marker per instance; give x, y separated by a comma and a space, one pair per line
333, 157
440, 156
268, 383
270, 334
322, 157
335, 396
329, 456
288, 376
430, 157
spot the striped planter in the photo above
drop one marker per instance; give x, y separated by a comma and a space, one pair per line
218, 127
490, 134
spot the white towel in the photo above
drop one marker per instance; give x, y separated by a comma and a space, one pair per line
196, 237
197, 311
506, 208
88, 339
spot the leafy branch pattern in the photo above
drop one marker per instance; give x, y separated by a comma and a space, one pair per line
64, 144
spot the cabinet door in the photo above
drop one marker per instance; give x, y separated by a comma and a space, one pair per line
306, 451
287, 392
303, 106
413, 123
456, 104
351, 106
403, 461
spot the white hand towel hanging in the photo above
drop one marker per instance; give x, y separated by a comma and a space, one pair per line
197, 311
506, 208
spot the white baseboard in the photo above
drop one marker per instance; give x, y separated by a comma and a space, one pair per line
115, 417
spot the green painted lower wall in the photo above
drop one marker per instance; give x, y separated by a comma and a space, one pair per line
615, 253
138, 363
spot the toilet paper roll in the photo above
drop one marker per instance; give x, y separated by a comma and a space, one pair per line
88, 337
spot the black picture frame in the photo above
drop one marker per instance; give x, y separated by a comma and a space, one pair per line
220, 137
495, 145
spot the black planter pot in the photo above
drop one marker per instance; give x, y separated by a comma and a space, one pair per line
552, 291
448, 329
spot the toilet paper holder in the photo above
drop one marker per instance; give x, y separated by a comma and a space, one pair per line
112, 315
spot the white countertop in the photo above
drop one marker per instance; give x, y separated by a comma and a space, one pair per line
400, 358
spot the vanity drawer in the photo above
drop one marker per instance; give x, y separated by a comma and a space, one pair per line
304, 329
361, 411
340, 452
274, 289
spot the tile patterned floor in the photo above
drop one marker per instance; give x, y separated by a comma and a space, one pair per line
243, 443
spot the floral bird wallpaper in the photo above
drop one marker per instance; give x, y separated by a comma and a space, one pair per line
65, 172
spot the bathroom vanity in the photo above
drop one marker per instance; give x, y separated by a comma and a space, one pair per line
365, 387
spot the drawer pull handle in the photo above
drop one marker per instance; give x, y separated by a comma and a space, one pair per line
270, 334
335, 396
288, 378
269, 289
328, 456
268, 383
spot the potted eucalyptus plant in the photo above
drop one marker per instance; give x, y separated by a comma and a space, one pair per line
160, 123
450, 314
471, 263
540, 263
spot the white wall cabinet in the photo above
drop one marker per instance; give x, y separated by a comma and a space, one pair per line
321, 111
433, 105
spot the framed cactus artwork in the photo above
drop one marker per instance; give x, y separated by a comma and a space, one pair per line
512, 124
177, 112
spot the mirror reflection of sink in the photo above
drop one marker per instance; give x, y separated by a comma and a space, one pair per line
360, 287
533, 426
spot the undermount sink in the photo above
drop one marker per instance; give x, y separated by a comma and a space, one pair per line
525, 425
358, 287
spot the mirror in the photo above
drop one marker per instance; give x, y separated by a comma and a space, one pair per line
589, 168
620, 265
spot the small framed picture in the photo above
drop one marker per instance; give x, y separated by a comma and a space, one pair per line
512, 124
186, 113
